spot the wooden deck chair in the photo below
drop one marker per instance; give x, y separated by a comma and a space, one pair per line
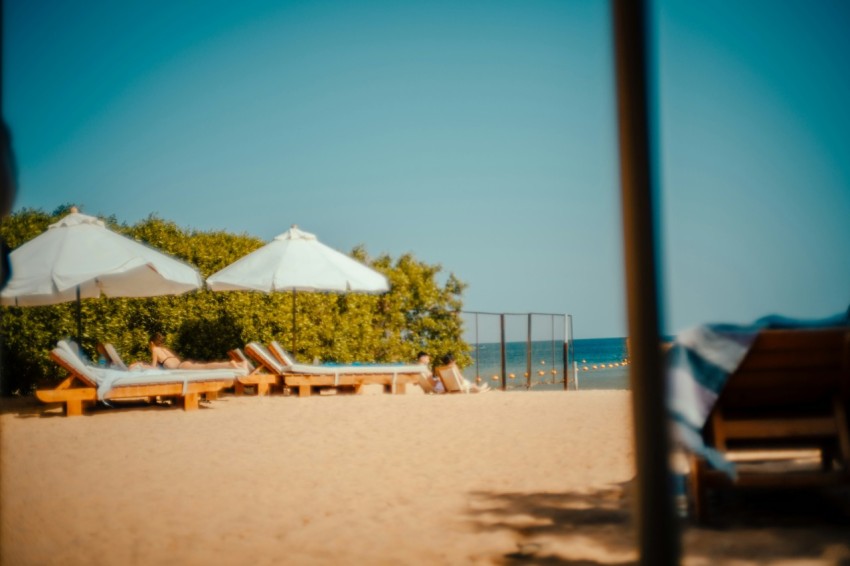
261, 381
81, 387
791, 391
427, 384
453, 381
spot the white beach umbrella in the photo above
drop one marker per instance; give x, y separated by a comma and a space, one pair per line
78, 258
297, 261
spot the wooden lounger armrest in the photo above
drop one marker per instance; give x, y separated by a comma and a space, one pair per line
65, 395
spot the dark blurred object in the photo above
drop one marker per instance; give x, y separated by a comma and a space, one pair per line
657, 526
10, 173
5, 264
9, 176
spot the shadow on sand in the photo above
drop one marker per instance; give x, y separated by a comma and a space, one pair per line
29, 407
595, 527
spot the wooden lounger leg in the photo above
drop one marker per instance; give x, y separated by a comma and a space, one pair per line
73, 407
698, 488
238, 388
827, 456
211, 395
262, 389
400, 388
304, 391
190, 401
843, 432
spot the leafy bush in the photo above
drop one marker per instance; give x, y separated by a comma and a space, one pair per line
416, 314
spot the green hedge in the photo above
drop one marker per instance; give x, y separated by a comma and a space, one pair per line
416, 314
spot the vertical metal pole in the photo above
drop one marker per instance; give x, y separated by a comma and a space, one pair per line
567, 338
572, 351
294, 322
552, 343
477, 349
528, 354
657, 530
79, 319
502, 351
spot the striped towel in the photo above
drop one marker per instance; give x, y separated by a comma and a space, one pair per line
699, 363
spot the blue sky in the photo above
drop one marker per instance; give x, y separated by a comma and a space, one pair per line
477, 135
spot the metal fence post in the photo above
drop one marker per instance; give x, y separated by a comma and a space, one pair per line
552, 344
528, 355
502, 347
567, 338
477, 350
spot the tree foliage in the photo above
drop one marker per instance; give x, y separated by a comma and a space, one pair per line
418, 313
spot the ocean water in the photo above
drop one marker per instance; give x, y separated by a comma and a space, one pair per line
603, 357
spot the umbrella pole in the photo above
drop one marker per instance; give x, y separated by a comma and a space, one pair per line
79, 319
294, 321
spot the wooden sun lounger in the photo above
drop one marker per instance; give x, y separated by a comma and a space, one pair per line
260, 381
78, 391
116, 361
305, 377
790, 392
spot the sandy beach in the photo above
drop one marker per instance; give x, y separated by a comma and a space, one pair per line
496, 478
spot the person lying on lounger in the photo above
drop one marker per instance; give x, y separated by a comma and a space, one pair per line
163, 358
